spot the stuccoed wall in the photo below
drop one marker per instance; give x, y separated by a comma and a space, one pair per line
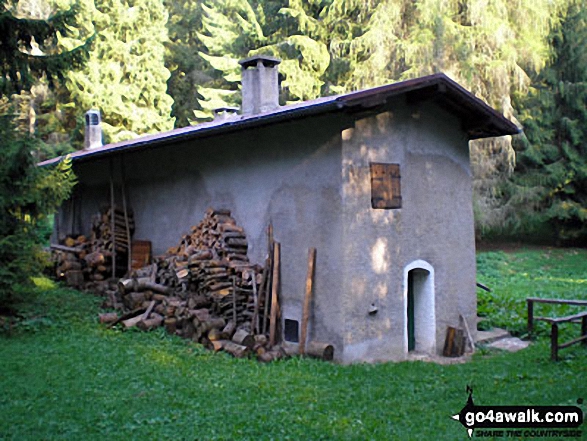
288, 174
435, 224
310, 178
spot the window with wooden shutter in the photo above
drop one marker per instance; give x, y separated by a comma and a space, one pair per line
386, 191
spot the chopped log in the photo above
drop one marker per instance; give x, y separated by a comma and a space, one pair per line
132, 321
96, 258
215, 334
142, 284
108, 318
235, 349
149, 309
128, 315
269, 356
229, 329
261, 339
74, 278
230, 228
134, 299
170, 324
218, 323
218, 345
202, 315
154, 322
236, 242
242, 337
324, 351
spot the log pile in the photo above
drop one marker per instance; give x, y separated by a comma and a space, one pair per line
112, 230
79, 259
206, 290
191, 316
211, 262
68, 259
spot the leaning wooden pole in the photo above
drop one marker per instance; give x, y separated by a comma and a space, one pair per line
307, 299
112, 224
255, 324
269, 267
126, 223
274, 295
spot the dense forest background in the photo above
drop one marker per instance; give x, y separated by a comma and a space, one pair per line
152, 65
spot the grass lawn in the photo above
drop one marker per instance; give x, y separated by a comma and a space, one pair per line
65, 377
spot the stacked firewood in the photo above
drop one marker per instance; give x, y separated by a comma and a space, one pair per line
206, 290
79, 259
68, 259
112, 234
192, 316
211, 261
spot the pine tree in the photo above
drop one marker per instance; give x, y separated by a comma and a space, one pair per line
188, 69
490, 48
235, 29
28, 46
28, 195
125, 76
549, 188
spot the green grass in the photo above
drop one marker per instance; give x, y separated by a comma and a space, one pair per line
543, 272
62, 376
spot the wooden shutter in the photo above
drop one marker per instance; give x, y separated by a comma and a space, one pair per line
386, 191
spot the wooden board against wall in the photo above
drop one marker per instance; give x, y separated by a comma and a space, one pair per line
141, 253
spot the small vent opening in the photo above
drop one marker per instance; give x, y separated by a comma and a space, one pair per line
291, 331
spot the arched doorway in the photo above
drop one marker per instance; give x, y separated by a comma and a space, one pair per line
420, 317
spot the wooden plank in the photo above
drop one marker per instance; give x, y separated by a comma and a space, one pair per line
554, 342
469, 336
149, 309
530, 316
583, 338
126, 223
234, 299
568, 318
274, 295
307, 299
557, 301
112, 218
255, 322
57, 247
269, 264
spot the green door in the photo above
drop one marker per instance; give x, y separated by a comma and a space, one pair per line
411, 337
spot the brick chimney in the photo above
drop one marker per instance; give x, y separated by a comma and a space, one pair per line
260, 85
93, 131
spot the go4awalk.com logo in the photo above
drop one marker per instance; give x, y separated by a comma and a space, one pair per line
520, 421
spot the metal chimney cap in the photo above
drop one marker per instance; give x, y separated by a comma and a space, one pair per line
226, 110
92, 117
225, 113
267, 60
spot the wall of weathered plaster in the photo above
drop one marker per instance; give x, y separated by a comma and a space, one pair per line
287, 174
435, 224
311, 179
